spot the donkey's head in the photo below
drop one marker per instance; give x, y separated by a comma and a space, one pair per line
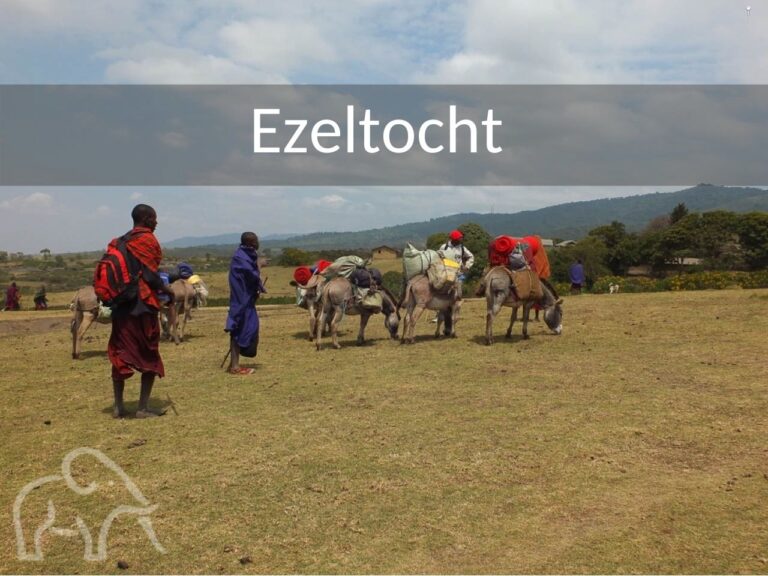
391, 313
553, 316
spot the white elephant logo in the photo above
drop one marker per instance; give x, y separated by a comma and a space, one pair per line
142, 511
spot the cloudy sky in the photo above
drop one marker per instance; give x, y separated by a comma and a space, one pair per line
369, 41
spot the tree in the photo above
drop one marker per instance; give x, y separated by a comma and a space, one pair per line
434, 241
393, 281
678, 213
3, 256
476, 239
753, 236
46, 253
657, 225
293, 257
621, 247
717, 238
611, 234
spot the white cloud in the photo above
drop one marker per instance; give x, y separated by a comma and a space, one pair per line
275, 45
173, 139
103, 210
573, 41
155, 63
136, 195
327, 201
29, 203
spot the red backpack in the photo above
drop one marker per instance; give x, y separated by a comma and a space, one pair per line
116, 278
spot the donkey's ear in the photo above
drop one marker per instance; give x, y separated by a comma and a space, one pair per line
559, 302
293, 283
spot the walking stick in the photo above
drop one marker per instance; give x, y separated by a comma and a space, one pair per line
225, 357
173, 405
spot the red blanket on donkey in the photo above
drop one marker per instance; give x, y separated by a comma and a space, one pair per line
502, 246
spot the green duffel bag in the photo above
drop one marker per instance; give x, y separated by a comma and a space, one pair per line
416, 261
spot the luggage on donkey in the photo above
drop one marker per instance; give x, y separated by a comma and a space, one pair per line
441, 272
452, 269
527, 284
344, 266
365, 284
417, 261
369, 299
364, 277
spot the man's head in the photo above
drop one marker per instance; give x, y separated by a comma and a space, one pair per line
144, 215
456, 237
249, 239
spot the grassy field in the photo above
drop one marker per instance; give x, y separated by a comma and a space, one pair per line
634, 442
277, 284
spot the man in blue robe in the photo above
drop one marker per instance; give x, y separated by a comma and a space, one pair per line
245, 286
577, 277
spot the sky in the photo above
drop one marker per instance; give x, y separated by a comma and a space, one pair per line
337, 42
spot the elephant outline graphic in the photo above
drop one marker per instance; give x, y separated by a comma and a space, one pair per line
142, 511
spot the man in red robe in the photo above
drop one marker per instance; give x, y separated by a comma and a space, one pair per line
134, 344
12, 297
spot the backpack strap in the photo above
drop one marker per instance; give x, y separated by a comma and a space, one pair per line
134, 266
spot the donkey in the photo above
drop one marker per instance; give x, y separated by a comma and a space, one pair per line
337, 299
420, 296
310, 294
174, 317
499, 291
85, 309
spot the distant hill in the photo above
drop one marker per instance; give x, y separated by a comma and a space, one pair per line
568, 221
228, 239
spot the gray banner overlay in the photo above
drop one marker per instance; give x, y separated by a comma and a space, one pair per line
383, 135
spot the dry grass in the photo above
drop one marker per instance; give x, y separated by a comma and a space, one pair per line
634, 442
278, 279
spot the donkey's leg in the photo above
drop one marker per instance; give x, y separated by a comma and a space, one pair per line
449, 322
512, 319
337, 314
182, 319
77, 318
364, 317
312, 320
85, 322
526, 316
173, 321
493, 301
489, 315
417, 312
324, 312
455, 314
408, 304
440, 319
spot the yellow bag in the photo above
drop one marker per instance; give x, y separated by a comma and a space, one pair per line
451, 270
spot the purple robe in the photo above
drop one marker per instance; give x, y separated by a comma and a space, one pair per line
576, 274
244, 286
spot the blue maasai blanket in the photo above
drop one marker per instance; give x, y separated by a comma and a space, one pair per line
244, 286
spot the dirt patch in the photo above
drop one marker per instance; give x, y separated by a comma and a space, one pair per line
32, 326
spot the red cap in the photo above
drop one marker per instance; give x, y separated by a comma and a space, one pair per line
456, 235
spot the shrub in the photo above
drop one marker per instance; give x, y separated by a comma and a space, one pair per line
711, 280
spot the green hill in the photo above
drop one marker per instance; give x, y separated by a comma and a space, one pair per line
568, 221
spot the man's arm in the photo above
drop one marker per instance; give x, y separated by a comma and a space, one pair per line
469, 259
